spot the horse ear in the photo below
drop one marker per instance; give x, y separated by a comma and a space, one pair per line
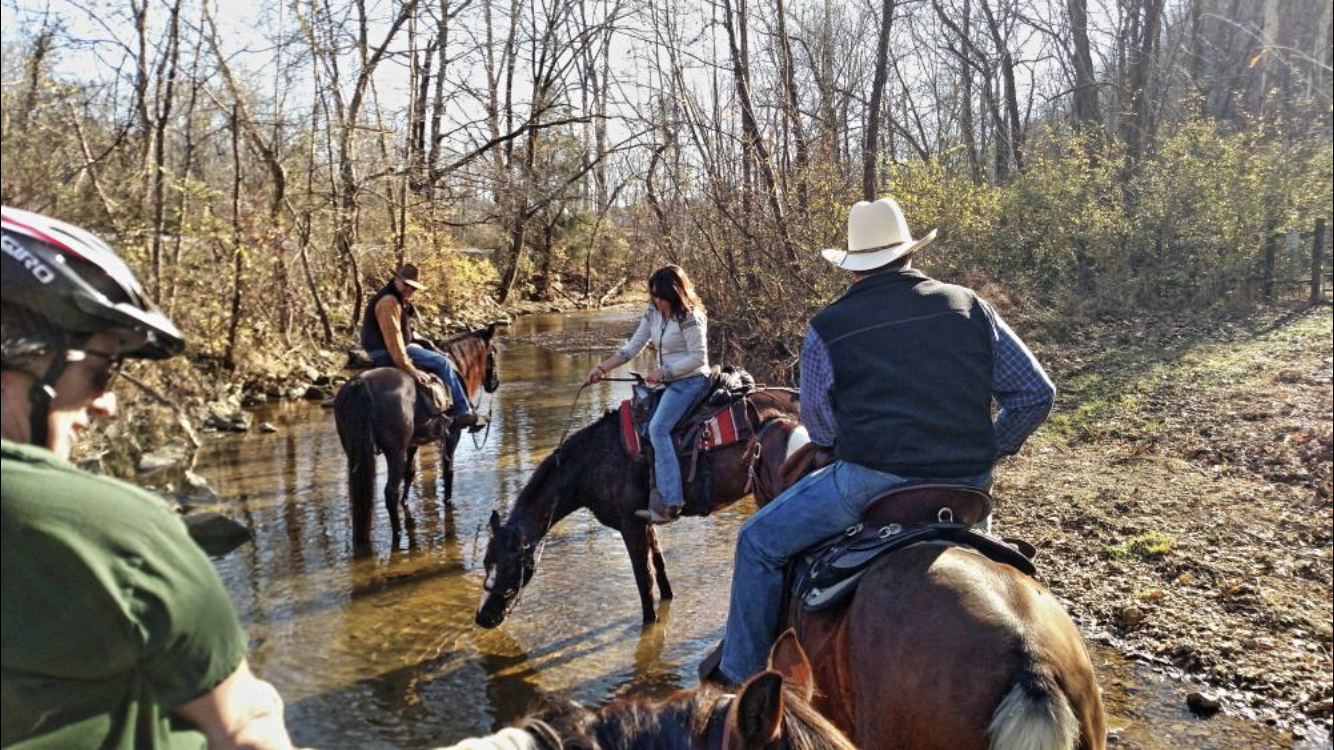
755, 718
495, 521
789, 659
491, 329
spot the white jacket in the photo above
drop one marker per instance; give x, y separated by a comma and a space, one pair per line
682, 343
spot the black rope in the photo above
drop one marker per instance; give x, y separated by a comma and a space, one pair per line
569, 418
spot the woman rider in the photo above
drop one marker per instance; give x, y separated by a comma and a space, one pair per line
676, 323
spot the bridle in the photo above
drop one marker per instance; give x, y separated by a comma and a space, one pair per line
529, 555
491, 381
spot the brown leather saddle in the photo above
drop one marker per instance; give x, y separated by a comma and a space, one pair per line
927, 502
827, 575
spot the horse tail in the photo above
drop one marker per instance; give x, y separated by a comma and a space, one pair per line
353, 411
1034, 714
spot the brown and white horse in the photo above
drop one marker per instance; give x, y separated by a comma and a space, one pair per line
941, 647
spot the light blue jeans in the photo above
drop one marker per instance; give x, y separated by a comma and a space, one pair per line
678, 397
437, 364
822, 504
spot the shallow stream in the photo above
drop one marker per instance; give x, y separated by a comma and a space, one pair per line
381, 650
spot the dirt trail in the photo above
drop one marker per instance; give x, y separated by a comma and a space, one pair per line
1181, 497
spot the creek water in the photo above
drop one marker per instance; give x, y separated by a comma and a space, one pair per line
380, 650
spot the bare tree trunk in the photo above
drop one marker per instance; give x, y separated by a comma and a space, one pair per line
32, 73
1014, 126
968, 130
871, 150
1086, 86
752, 131
161, 117
1136, 125
238, 252
792, 103
139, 12
345, 232
304, 224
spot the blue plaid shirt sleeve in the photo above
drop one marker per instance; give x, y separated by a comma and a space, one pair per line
1020, 386
817, 377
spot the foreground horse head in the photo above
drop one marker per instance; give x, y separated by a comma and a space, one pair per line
591, 470
941, 647
772, 710
376, 411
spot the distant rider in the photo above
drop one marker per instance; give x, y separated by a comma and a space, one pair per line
675, 322
389, 338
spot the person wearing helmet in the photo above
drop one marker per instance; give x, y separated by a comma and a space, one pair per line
389, 337
117, 630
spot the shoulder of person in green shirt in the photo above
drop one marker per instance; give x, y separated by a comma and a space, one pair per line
113, 616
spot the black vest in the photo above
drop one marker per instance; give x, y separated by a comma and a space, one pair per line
371, 337
912, 362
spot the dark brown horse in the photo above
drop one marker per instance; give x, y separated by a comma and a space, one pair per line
591, 470
376, 413
772, 710
943, 648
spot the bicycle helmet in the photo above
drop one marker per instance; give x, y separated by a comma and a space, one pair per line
77, 283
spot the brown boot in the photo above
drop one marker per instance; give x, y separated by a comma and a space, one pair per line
472, 420
659, 512
711, 671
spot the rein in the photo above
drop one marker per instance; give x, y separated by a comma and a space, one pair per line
569, 418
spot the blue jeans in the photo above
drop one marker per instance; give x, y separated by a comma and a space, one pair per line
822, 504
437, 364
678, 397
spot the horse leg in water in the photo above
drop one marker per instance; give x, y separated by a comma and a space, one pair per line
636, 538
659, 568
447, 448
409, 473
396, 463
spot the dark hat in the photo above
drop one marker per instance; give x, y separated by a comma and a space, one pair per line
408, 273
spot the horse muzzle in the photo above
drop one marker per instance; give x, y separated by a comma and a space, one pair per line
495, 608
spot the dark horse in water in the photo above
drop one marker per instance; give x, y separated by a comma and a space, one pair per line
941, 647
591, 470
772, 710
376, 413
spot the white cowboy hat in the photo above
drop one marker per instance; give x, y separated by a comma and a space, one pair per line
877, 236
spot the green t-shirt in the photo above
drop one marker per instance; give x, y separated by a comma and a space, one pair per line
112, 616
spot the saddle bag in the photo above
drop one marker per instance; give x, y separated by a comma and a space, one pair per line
434, 399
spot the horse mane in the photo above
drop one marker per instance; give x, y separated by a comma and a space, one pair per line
475, 333
680, 720
466, 339
578, 450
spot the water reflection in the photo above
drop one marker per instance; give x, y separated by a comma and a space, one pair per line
381, 650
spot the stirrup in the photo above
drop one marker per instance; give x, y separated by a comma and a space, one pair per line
659, 512
654, 517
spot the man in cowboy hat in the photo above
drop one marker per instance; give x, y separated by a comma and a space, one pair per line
898, 377
388, 335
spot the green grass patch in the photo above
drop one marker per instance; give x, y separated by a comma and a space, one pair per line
1094, 404
1148, 545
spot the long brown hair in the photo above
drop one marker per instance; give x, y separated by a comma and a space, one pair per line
671, 283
